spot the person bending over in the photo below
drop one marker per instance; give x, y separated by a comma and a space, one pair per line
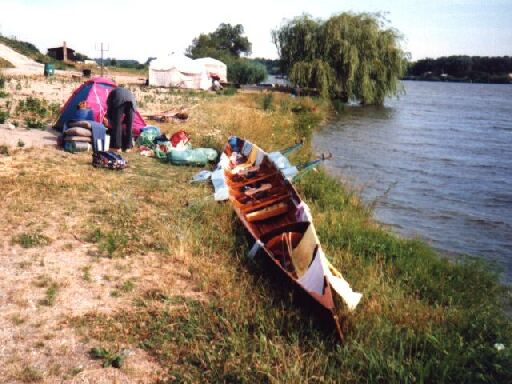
120, 103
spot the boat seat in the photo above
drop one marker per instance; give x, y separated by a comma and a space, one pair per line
247, 208
244, 200
235, 185
271, 211
300, 226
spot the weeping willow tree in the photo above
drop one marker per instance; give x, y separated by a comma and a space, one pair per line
349, 56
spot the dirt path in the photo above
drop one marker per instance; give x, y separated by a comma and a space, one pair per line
22, 137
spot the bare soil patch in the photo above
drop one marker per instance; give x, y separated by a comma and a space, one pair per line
50, 273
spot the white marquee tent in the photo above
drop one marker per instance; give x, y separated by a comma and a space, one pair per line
178, 71
214, 68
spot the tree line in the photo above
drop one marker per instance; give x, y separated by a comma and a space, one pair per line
467, 68
229, 45
348, 56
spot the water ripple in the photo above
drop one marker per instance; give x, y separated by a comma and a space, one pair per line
444, 151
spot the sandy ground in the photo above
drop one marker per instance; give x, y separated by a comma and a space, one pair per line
37, 341
37, 335
58, 90
16, 137
23, 65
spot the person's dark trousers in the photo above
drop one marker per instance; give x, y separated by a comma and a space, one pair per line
121, 137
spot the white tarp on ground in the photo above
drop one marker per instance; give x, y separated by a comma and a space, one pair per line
178, 71
215, 67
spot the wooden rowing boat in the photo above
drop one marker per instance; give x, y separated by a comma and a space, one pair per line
281, 224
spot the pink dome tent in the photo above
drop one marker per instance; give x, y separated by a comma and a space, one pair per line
95, 93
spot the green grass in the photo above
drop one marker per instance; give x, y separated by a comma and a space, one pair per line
4, 115
422, 319
5, 64
267, 101
86, 273
31, 239
51, 295
29, 375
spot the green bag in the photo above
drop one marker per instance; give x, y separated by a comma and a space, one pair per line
147, 138
162, 149
197, 156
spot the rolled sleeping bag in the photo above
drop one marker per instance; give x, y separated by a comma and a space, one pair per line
84, 139
79, 123
77, 131
196, 156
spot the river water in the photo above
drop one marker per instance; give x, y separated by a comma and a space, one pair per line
436, 163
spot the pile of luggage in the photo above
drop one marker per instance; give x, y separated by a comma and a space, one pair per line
77, 136
176, 150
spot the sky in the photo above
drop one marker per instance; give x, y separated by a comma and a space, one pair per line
139, 29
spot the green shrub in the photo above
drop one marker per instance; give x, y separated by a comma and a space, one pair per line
267, 101
110, 243
31, 240
5, 63
229, 91
246, 72
338, 105
35, 123
4, 115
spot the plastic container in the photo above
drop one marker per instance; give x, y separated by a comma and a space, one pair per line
49, 70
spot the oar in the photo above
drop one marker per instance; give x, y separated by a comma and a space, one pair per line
311, 165
288, 151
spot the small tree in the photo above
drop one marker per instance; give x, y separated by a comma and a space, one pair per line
227, 44
349, 56
245, 71
226, 41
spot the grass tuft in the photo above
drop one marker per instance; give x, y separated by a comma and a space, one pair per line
29, 375
31, 240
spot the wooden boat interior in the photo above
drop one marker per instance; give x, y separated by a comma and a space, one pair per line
272, 211
268, 205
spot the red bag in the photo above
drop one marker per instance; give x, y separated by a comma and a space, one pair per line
179, 137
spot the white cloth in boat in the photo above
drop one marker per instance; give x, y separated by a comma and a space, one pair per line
313, 280
339, 284
287, 169
246, 149
259, 157
302, 254
219, 183
303, 213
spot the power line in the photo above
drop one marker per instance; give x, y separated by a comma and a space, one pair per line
102, 49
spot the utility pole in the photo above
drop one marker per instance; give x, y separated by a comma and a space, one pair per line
102, 49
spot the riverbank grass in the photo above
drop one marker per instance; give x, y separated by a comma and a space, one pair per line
206, 313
